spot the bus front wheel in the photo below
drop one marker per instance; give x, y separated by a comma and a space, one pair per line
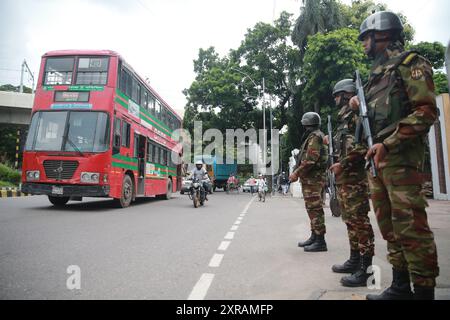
127, 193
58, 201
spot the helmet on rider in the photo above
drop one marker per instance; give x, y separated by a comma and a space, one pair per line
199, 164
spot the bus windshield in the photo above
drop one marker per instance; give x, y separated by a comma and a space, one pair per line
80, 131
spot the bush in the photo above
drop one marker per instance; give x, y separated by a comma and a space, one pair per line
9, 175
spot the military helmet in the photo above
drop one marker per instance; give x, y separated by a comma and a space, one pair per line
346, 85
380, 21
311, 119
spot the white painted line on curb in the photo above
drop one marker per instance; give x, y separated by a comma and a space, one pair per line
201, 287
240, 218
229, 236
234, 228
238, 222
242, 215
224, 245
216, 260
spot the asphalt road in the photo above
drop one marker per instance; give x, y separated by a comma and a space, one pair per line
233, 248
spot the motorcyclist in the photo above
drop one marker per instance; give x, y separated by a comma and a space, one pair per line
200, 174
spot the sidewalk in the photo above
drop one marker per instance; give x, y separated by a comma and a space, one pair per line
439, 219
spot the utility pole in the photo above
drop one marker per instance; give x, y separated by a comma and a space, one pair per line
25, 68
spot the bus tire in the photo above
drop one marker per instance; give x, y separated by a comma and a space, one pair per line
58, 201
168, 194
126, 195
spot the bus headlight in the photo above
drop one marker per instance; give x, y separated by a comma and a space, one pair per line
90, 177
33, 175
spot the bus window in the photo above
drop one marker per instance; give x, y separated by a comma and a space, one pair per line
116, 141
144, 98
126, 128
92, 71
59, 71
164, 158
156, 155
135, 91
151, 104
149, 151
158, 110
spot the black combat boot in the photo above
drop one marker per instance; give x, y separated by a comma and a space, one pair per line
309, 241
349, 266
400, 288
319, 245
359, 278
423, 293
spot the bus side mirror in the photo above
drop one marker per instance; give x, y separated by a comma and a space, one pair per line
116, 144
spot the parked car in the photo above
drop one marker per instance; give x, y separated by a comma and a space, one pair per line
249, 186
186, 184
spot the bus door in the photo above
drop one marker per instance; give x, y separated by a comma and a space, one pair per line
141, 153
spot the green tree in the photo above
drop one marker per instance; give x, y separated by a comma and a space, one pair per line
316, 16
441, 83
11, 88
329, 58
433, 51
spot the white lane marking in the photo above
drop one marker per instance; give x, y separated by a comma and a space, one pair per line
201, 287
216, 260
240, 218
224, 245
248, 205
229, 236
234, 228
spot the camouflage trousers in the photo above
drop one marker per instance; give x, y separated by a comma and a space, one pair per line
354, 202
400, 210
312, 194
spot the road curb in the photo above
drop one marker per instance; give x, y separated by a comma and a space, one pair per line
12, 193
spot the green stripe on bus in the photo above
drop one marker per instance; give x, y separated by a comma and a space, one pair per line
154, 124
124, 158
124, 166
123, 104
142, 109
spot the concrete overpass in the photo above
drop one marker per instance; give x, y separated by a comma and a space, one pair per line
15, 108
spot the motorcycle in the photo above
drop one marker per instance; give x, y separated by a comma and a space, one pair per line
197, 193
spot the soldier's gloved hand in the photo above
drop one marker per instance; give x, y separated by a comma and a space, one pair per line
337, 169
354, 103
293, 177
378, 152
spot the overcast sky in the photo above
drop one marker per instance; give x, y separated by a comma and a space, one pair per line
160, 38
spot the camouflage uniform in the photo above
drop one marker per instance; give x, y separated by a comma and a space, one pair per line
312, 172
401, 101
353, 186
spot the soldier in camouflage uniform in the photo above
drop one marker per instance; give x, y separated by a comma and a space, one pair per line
351, 181
402, 108
311, 170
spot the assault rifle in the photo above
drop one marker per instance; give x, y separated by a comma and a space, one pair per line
364, 117
331, 178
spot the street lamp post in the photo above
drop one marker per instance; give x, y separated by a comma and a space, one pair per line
261, 92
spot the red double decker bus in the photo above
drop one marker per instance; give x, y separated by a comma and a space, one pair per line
98, 130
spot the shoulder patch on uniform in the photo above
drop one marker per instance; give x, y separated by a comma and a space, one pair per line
409, 58
416, 73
